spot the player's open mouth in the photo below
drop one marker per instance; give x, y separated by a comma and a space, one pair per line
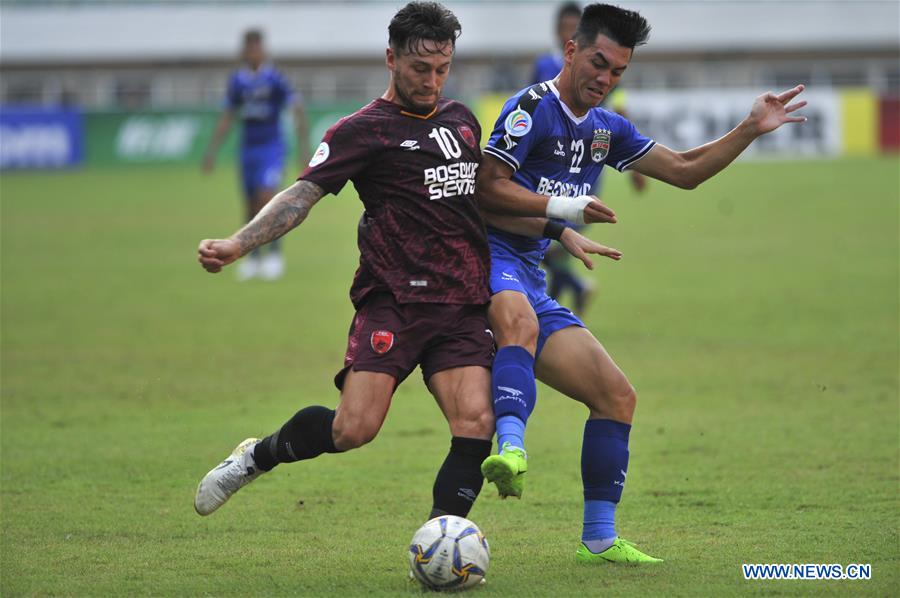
598, 93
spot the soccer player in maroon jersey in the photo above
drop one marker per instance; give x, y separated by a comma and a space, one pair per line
421, 289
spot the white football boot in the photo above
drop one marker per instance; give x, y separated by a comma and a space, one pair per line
232, 474
272, 266
248, 268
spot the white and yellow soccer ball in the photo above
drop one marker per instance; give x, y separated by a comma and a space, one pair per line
449, 553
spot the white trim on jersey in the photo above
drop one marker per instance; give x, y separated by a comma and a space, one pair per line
502, 156
576, 119
623, 164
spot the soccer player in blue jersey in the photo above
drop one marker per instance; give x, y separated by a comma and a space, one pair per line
547, 148
258, 94
557, 262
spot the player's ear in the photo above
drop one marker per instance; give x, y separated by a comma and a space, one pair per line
389, 58
569, 51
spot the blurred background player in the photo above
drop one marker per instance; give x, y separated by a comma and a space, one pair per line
562, 276
548, 65
258, 94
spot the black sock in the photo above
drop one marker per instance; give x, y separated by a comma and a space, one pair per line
304, 436
459, 480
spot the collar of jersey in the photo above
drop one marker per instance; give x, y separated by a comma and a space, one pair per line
421, 116
576, 119
248, 72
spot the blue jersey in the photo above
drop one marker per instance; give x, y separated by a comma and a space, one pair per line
259, 97
547, 67
554, 152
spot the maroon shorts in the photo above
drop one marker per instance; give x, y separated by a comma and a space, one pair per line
393, 338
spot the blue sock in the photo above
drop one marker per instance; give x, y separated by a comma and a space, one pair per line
275, 246
514, 392
510, 429
604, 463
599, 530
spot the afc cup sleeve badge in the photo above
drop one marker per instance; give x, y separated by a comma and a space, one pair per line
321, 154
600, 145
382, 341
518, 123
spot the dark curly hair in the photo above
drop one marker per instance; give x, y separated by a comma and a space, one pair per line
418, 22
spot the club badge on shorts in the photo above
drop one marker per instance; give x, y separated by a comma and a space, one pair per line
382, 341
600, 145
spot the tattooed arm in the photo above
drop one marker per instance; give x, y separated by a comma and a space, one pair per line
286, 211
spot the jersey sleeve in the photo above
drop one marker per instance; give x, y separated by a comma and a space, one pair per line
628, 145
342, 154
518, 129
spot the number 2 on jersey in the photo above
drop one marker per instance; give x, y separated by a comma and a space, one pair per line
577, 154
446, 141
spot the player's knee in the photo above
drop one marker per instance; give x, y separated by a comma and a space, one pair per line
351, 435
519, 329
627, 400
617, 402
474, 424
620, 403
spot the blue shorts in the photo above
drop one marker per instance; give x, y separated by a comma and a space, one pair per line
511, 273
261, 168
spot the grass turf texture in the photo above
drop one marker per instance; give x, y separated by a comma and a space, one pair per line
757, 317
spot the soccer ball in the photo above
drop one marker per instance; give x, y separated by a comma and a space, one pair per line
449, 553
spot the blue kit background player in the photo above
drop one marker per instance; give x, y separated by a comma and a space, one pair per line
546, 150
547, 66
258, 94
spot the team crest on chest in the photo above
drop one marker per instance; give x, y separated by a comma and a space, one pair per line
600, 144
467, 135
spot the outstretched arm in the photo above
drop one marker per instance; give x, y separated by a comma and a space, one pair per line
496, 192
690, 168
286, 211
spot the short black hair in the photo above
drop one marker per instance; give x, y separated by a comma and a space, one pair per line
422, 21
253, 36
625, 27
567, 9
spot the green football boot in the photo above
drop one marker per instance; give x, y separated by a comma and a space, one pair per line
622, 551
507, 470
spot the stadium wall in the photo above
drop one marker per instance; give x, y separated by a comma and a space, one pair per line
137, 54
841, 122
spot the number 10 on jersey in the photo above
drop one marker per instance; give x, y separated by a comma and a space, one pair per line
446, 141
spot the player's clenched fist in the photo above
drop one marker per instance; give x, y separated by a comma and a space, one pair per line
213, 254
597, 211
584, 209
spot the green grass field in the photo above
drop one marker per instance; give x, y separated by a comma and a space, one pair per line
757, 316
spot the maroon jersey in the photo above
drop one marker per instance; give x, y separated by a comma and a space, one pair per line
421, 237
